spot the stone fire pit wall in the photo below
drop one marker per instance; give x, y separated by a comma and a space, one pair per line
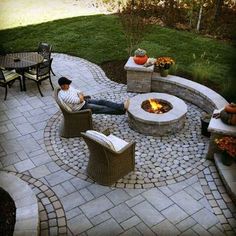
157, 124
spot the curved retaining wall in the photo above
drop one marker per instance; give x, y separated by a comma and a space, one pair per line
27, 212
200, 95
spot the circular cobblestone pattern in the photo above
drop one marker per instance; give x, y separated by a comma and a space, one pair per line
158, 160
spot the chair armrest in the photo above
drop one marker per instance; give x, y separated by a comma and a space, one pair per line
106, 132
122, 150
79, 112
128, 146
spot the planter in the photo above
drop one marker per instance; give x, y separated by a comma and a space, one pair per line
163, 72
226, 159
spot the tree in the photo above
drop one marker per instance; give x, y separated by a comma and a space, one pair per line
219, 4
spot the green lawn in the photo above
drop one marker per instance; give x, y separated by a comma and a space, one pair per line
99, 38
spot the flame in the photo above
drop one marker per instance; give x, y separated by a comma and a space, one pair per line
154, 104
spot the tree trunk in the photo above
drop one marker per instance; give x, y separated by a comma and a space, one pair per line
199, 18
219, 4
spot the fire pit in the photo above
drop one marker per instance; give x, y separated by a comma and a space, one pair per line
157, 114
153, 105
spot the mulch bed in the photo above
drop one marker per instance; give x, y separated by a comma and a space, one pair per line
7, 214
114, 70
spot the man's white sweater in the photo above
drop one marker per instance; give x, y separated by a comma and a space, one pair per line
71, 98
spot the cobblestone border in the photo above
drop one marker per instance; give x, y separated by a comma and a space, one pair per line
215, 192
51, 213
100, 77
50, 141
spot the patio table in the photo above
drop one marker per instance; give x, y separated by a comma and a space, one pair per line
20, 61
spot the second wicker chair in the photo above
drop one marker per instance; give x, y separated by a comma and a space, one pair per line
106, 165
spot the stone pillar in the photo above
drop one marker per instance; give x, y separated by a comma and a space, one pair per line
138, 77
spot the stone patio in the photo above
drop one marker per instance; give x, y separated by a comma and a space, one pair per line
173, 191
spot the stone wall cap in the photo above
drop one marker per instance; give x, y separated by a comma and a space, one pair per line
217, 126
131, 65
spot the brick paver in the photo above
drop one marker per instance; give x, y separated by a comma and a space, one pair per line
70, 204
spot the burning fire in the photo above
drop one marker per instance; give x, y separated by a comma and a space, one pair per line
155, 105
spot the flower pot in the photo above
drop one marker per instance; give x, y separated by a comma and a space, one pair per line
204, 127
163, 72
226, 159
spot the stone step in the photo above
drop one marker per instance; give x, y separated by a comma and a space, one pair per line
228, 175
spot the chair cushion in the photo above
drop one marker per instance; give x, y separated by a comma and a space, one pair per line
101, 138
33, 71
10, 75
34, 76
117, 142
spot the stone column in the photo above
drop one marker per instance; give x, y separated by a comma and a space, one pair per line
138, 77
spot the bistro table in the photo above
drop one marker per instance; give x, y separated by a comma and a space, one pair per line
20, 61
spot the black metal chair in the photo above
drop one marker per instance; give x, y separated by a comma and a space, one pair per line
42, 72
7, 78
45, 50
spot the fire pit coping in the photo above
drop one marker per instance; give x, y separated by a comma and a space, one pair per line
179, 108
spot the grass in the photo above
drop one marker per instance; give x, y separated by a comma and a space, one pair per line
100, 38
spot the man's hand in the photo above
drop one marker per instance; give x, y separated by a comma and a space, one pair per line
81, 97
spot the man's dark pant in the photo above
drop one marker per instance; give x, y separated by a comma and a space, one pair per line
104, 107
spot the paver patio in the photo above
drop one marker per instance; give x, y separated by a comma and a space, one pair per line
188, 202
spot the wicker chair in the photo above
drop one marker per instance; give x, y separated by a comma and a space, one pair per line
41, 73
105, 165
45, 50
7, 78
73, 122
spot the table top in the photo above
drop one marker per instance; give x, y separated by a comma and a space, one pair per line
20, 60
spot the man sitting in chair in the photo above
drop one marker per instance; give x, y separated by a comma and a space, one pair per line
75, 100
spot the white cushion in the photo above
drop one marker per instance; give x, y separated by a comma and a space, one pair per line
34, 76
117, 142
10, 75
101, 138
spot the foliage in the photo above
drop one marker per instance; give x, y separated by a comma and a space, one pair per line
227, 144
164, 62
184, 14
202, 67
134, 28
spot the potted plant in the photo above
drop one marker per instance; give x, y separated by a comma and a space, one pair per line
205, 120
227, 145
140, 56
164, 64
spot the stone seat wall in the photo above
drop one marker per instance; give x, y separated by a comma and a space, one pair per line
198, 94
